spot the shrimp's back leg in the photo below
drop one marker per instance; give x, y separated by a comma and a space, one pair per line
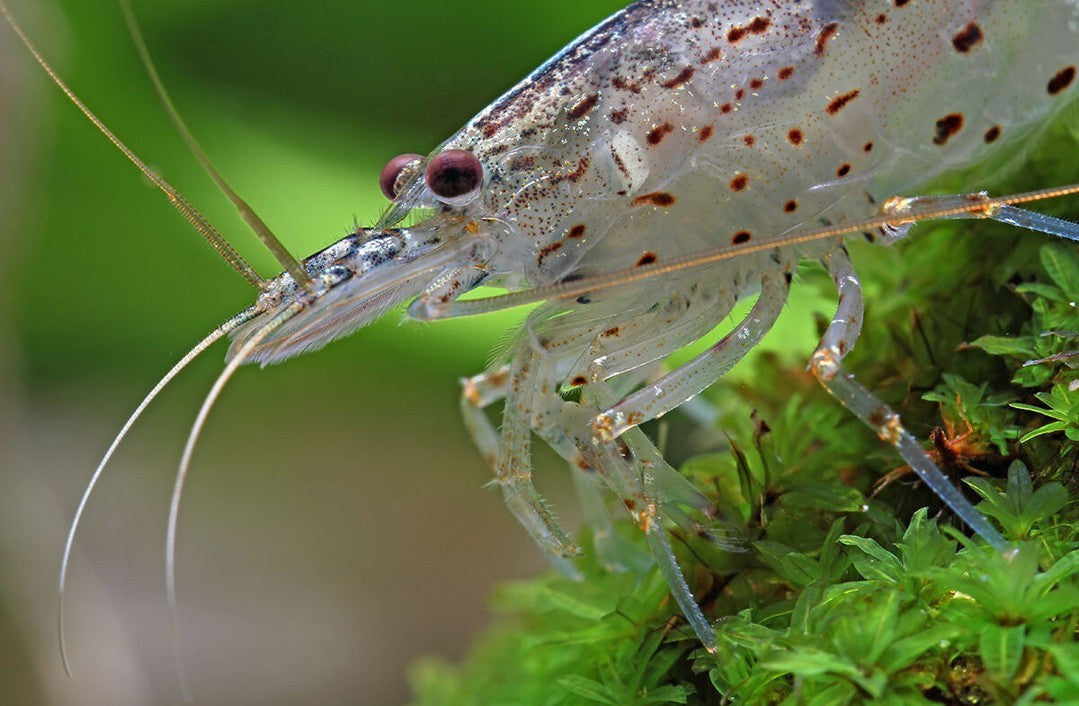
837, 341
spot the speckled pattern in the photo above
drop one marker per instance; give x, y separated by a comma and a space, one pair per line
676, 126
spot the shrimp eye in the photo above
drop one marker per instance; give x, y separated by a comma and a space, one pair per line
391, 173
454, 176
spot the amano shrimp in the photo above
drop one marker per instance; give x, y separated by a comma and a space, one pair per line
676, 159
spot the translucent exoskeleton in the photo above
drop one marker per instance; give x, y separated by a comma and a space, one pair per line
680, 157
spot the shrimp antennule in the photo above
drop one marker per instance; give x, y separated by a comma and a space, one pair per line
189, 212
276, 248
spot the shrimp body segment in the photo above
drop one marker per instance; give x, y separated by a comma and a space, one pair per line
675, 127
679, 126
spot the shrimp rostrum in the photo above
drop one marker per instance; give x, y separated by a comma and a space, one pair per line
679, 158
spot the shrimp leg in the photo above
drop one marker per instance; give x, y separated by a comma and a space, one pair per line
618, 350
837, 341
1012, 215
480, 391
631, 466
689, 380
513, 463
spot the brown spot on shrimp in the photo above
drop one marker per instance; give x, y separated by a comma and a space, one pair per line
791, 206
656, 134
992, 134
749, 140
867, 147
577, 231
881, 18
619, 116
726, 108
756, 84
947, 127
646, 259
739, 182
546, 251
968, 38
840, 102
1061, 80
705, 133
584, 107
655, 198
877, 417
826, 33
713, 55
582, 168
785, 73
621, 165
741, 237
681, 79
613, 331
844, 170
759, 25
795, 136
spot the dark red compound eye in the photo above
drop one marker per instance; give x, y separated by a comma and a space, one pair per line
390, 173
454, 176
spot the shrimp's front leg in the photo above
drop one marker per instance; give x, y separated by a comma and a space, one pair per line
689, 380
549, 423
509, 452
637, 471
630, 466
825, 364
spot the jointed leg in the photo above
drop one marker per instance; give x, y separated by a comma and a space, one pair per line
1012, 215
631, 477
623, 348
691, 379
825, 365
513, 464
